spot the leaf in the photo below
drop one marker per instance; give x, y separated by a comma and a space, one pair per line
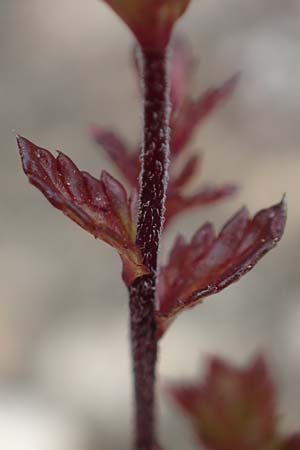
209, 263
186, 116
182, 65
177, 202
291, 443
99, 206
233, 408
125, 160
193, 113
188, 170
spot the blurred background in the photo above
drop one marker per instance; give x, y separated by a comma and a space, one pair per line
64, 358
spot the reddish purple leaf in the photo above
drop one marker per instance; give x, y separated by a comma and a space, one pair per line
209, 263
99, 206
186, 116
127, 161
182, 65
177, 202
233, 409
188, 170
193, 113
291, 443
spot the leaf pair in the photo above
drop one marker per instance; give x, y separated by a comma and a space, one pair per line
187, 115
193, 113
234, 408
195, 270
177, 200
202, 267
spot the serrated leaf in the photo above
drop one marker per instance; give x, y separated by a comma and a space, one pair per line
209, 263
233, 409
100, 206
176, 201
186, 116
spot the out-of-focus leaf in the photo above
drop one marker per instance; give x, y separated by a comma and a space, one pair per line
233, 409
125, 160
177, 202
291, 443
185, 175
186, 116
100, 206
209, 263
182, 65
193, 113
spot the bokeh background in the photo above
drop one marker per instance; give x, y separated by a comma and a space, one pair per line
64, 359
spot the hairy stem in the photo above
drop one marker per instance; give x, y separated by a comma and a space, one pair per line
153, 184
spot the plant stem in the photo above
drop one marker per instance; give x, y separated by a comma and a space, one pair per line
153, 184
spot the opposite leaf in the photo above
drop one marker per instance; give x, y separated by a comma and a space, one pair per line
101, 206
182, 67
291, 443
187, 113
126, 160
177, 201
233, 409
193, 113
209, 263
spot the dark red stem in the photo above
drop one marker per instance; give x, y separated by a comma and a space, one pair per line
153, 184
